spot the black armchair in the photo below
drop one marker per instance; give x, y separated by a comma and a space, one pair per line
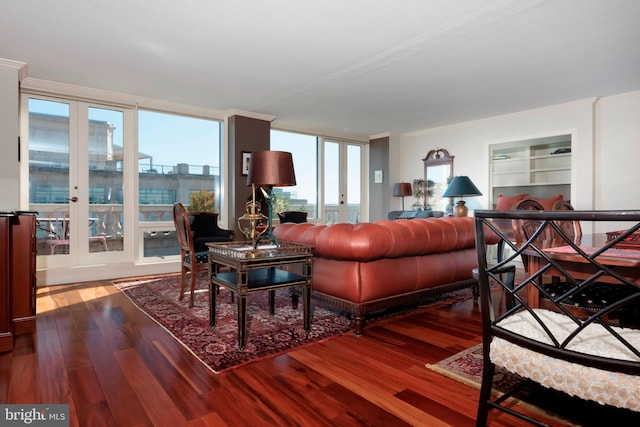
205, 229
292, 216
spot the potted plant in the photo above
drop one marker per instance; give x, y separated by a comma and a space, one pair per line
418, 194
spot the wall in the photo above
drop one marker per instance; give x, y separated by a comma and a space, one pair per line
245, 134
469, 144
617, 152
9, 166
380, 192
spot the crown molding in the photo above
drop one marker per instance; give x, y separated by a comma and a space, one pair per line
20, 66
330, 135
83, 93
380, 135
249, 114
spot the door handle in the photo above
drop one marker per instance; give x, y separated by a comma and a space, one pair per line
73, 199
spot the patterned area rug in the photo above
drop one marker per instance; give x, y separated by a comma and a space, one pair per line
466, 367
267, 336
218, 348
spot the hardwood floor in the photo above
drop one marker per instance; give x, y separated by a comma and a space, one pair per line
115, 367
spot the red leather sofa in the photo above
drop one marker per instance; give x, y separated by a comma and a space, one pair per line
367, 267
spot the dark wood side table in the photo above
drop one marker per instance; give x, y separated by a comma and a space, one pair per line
258, 270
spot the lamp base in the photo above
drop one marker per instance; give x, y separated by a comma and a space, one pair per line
268, 235
460, 209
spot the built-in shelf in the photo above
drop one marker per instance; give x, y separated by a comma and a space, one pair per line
540, 167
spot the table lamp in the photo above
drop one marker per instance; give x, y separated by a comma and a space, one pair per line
270, 169
401, 189
461, 186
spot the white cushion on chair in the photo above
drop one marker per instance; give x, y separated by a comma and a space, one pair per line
606, 387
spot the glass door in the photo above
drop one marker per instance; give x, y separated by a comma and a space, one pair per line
343, 188
76, 158
50, 157
105, 189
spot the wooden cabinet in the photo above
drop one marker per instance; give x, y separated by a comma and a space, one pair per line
6, 336
18, 277
23, 273
539, 167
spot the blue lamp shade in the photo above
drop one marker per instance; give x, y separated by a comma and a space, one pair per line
461, 186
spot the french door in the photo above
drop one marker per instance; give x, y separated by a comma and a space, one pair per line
344, 188
76, 175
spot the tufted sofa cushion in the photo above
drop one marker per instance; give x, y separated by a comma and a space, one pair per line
384, 239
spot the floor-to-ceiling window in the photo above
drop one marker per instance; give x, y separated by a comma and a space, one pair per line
304, 150
103, 179
178, 161
329, 175
343, 182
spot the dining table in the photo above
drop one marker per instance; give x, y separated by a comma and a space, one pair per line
620, 263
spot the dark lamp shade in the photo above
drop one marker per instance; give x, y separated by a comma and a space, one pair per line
461, 186
402, 189
271, 168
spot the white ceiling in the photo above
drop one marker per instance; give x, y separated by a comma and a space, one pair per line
343, 67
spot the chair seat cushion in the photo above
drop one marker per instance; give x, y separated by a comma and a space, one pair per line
200, 257
596, 296
606, 387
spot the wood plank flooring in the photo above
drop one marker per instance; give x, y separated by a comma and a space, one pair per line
115, 367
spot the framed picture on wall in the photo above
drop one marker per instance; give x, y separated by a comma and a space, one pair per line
246, 158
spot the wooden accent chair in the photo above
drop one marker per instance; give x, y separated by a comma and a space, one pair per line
194, 230
590, 357
524, 229
572, 229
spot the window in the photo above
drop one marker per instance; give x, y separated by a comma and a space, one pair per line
76, 162
304, 149
177, 156
339, 199
178, 161
103, 195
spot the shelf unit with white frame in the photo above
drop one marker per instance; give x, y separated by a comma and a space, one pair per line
540, 167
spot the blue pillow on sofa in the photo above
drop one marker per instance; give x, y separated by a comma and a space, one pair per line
408, 215
427, 213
